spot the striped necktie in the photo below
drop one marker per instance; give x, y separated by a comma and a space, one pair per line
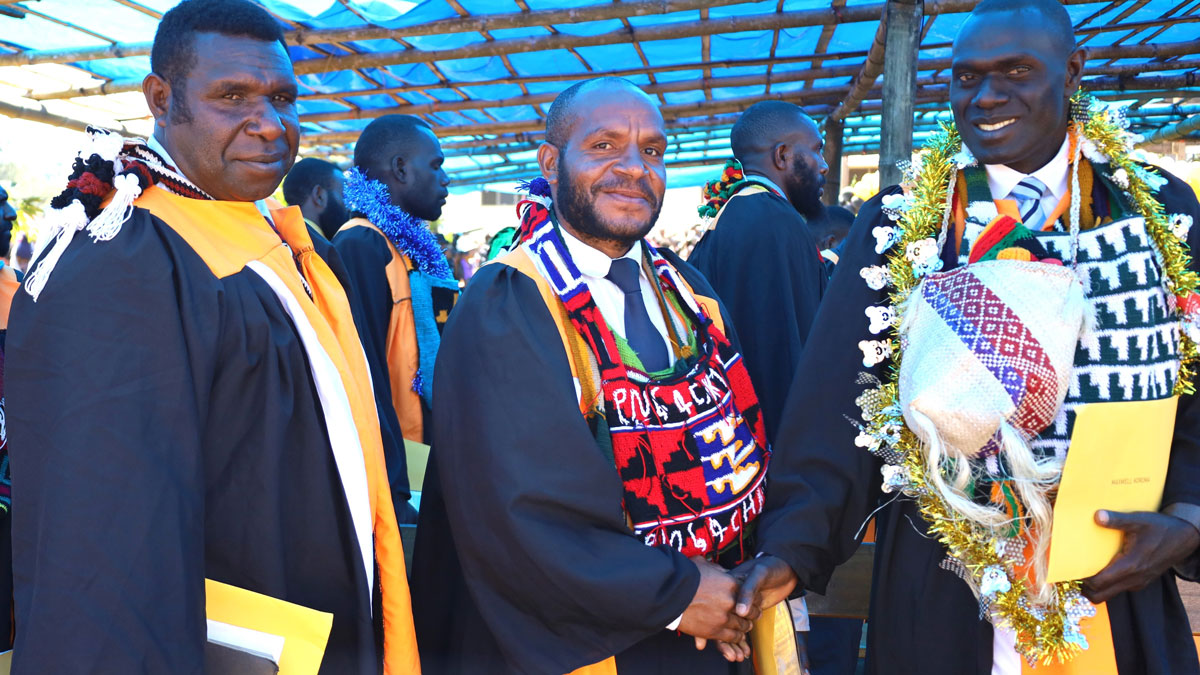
1028, 196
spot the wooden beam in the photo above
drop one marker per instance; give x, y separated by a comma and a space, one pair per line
1105, 53
468, 24
833, 157
899, 87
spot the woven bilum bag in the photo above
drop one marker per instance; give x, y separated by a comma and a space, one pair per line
988, 352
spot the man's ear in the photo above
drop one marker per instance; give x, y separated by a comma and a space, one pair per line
547, 157
781, 156
158, 97
319, 196
398, 169
1075, 63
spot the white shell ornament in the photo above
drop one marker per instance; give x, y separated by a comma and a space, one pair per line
881, 317
885, 237
875, 351
876, 276
995, 580
1181, 224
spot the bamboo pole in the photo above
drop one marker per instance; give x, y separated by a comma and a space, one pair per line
46, 117
1174, 131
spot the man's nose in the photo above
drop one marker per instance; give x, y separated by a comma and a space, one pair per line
266, 122
989, 95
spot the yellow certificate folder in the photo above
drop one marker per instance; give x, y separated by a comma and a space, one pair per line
1117, 462
305, 631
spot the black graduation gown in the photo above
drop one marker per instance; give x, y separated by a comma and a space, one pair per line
763, 262
166, 428
519, 496
365, 255
822, 488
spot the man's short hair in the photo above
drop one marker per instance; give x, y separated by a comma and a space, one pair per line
758, 128
560, 116
1052, 12
174, 51
304, 176
834, 220
383, 137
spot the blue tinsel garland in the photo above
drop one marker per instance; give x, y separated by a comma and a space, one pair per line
406, 232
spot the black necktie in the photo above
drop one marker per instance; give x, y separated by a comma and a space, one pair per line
640, 332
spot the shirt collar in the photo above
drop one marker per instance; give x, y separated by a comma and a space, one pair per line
593, 262
1002, 179
154, 145
758, 178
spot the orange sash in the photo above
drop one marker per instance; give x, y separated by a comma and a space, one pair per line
403, 359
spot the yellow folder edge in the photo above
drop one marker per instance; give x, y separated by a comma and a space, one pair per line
1117, 461
305, 631
417, 458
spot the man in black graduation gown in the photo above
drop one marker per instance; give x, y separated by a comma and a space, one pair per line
1014, 69
316, 187
405, 298
759, 254
187, 389
525, 560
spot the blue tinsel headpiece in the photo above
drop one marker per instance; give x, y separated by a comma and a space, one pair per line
406, 232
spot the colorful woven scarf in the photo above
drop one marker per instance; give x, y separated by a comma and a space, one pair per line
690, 448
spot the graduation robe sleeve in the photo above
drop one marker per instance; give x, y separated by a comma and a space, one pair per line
821, 486
762, 261
533, 503
106, 453
363, 256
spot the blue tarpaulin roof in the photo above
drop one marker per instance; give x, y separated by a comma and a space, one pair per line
483, 72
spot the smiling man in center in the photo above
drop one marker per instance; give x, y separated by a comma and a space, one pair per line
621, 440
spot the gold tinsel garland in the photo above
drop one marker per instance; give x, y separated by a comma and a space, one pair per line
1044, 634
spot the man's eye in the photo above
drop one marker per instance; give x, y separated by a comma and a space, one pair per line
653, 152
966, 78
234, 97
1019, 70
602, 145
284, 98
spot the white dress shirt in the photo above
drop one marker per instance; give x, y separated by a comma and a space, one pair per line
593, 264
1002, 179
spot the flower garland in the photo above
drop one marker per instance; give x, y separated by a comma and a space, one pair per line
406, 232
1044, 632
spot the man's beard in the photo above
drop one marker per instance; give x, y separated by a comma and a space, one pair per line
579, 208
804, 190
332, 218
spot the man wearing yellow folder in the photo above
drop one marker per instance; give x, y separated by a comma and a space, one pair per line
193, 401
1023, 301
